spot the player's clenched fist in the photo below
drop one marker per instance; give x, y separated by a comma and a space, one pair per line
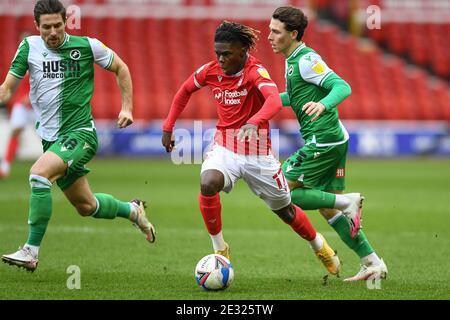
167, 141
125, 119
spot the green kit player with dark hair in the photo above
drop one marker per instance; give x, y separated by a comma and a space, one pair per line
316, 172
61, 69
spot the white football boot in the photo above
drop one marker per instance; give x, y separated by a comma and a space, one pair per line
140, 220
353, 212
367, 272
23, 258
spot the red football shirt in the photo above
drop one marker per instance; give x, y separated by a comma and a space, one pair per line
239, 98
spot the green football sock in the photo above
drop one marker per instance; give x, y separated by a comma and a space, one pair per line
39, 214
359, 244
109, 207
310, 199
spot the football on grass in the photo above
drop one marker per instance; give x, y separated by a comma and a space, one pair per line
214, 272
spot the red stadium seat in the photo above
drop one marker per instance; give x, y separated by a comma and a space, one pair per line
162, 53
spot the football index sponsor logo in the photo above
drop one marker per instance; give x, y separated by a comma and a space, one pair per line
228, 97
218, 95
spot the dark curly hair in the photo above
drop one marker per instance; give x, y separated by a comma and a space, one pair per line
236, 32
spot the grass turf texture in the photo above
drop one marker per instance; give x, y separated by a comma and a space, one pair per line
406, 218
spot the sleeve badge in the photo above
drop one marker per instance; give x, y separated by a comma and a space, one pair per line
318, 67
264, 73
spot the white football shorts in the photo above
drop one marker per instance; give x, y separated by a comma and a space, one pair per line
262, 173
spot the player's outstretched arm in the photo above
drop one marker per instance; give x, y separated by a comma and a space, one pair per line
339, 91
178, 104
126, 89
272, 105
8, 88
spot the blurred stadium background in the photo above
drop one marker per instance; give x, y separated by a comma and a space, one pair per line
400, 108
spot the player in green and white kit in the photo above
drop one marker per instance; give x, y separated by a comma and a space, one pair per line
61, 69
316, 172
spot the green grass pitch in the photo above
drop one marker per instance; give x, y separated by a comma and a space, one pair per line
406, 218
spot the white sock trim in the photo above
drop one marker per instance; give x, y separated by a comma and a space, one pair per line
371, 260
133, 211
218, 241
317, 243
96, 208
341, 202
333, 219
37, 181
34, 249
133, 207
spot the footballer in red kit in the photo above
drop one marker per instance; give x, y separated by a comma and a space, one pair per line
247, 99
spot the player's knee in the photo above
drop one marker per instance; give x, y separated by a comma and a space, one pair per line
86, 209
209, 187
211, 183
42, 170
287, 214
38, 171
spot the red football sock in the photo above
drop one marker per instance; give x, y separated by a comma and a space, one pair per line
212, 212
302, 225
11, 150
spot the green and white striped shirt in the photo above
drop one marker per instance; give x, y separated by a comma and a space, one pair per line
61, 81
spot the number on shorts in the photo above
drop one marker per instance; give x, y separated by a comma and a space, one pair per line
281, 180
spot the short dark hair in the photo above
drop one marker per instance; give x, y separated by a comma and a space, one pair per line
293, 19
48, 7
236, 32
